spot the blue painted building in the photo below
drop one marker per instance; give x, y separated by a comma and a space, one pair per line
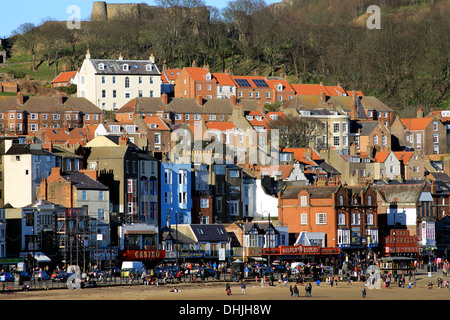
176, 194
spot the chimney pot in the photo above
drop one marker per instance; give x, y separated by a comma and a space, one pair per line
20, 98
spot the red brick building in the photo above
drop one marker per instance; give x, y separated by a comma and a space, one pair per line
346, 216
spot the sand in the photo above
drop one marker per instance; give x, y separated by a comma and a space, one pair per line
216, 291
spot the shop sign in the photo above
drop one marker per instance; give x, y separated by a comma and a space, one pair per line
144, 254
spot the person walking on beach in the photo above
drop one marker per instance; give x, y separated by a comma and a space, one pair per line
291, 290
243, 287
295, 291
228, 289
364, 292
308, 290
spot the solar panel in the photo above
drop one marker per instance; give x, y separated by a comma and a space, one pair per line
260, 83
243, 83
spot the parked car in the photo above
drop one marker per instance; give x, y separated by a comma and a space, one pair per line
278, 268
6, 277
61, 276
125, 273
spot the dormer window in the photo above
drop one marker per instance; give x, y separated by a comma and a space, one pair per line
125, 67
208, 76
280, 87
148, 67
101, 66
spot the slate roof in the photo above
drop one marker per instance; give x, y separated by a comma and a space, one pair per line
209, 232
17, 149
291, 192
136, 67
83, 181
407, 193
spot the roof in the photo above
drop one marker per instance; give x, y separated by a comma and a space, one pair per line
365, 127
198, 74
406, 193
403, 156
224, 79
281, 171
250, 82
221, 126
143, 105
33, 149
416, 124
381, 156
209, 232
83, 181
291, 192
318, 89
300, 153
136, 67
156, 120
64, 76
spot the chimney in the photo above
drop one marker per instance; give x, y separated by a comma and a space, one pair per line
420, 113
233, 100
324, 96
64, 67
164, 66
355, 96
152, 58
123, 141
88, 54
91, 173
165, 98
200, 100
433, 186
353, 111
120, 56
20, 98
194, 65
60, 98
446, 165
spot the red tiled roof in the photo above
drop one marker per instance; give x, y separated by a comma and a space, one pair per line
416, 124
221, 126
198, 74
403, 155
275, 82
381, 156
64, 76
224, 79
299, 153
160, 124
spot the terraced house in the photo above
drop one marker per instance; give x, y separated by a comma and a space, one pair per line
23, 115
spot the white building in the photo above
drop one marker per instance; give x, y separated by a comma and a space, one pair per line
25, 165
110, 84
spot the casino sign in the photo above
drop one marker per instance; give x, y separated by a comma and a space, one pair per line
301, 250
140, 255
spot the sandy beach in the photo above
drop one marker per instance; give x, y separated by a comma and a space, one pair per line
254, 291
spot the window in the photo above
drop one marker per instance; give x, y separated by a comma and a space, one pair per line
356, 218
168, 176
343, 237
114, 79
125, 67
182, 177
341, 219
419, 138
336, 141
268, 95
383, 140
321, 218
344, 127
103, 93
435, 126
168, 197
101, 195
303, 218
83, 195
101, 66
336, 127
369, 200
234, 173
204, 203
33, 127
375, 140
435, 149
157, 138
435, 138
101, 214
234, 208
370, 219
303, 201
182, 197
103, 79
208, 87
127, 82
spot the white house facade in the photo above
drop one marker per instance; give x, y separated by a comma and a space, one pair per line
110, 84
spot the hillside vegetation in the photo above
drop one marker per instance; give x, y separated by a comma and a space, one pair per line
405, 64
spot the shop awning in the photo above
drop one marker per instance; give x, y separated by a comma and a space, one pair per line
40, 257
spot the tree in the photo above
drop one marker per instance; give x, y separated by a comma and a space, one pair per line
28, 39
296, 132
